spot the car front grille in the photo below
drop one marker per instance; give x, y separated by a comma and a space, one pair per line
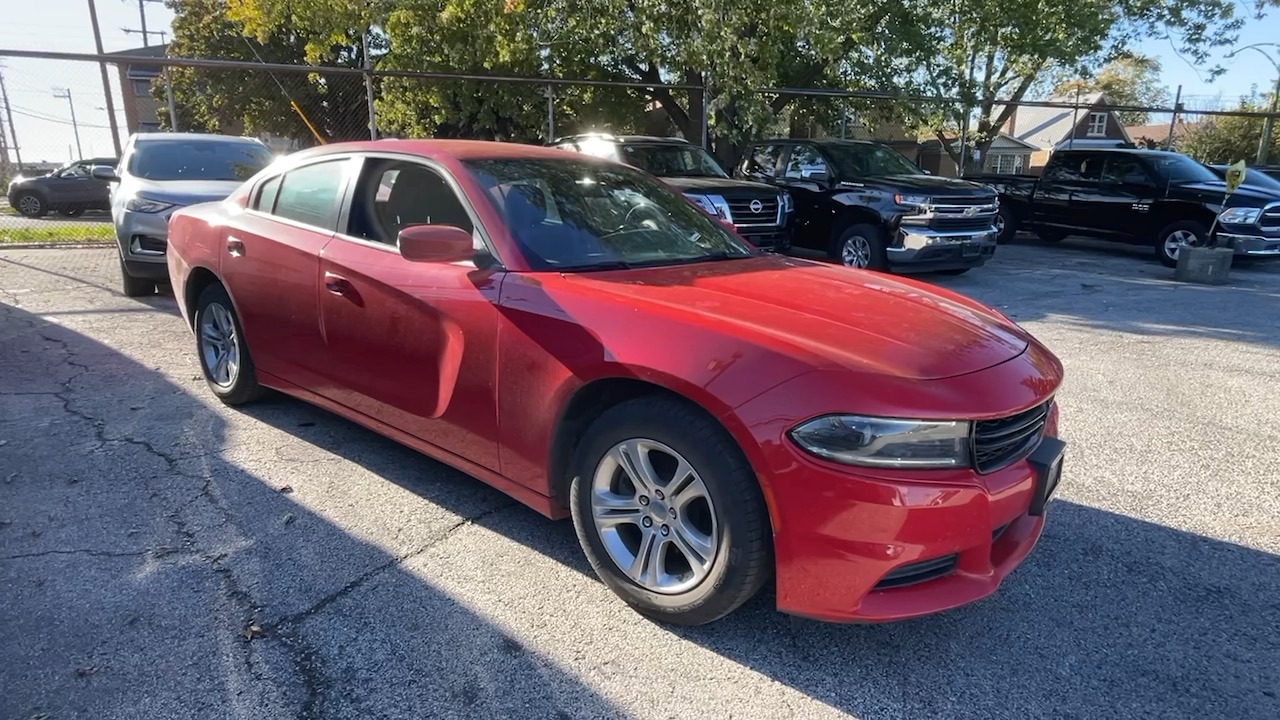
770, 239
1270, 219
740, 208
1000, 443
918, 572
977, 223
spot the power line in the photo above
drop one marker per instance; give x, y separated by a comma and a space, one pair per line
36, 116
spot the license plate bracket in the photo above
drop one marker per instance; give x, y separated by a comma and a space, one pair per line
1047, 463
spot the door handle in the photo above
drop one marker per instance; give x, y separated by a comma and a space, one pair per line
336, 284
235, 247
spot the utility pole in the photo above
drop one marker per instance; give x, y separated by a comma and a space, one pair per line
142, 18
144, 32
106, 82
13, 132
66, 93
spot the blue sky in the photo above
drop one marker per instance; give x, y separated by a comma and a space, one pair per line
63, 25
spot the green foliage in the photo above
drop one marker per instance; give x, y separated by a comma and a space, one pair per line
1128, 80
1227, 139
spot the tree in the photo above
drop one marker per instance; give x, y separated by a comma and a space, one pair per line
1127, 80
255, 102
1226, 139
994, 51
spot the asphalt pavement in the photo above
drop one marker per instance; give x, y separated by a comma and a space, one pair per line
162, 556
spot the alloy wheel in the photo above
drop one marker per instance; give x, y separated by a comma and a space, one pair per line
1177, 240
219, 345
654, 516
856, 252
30, 205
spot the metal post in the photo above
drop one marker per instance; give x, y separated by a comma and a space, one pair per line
75, 127
142, 14
1075, 120
1177, 106
551, 114
706, 112
13, 132
844, 119
106, 82
1264, 143
168, 92
368, 83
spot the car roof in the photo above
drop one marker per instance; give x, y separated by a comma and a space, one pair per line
1131, 151
438, 149
606, 137
178, 137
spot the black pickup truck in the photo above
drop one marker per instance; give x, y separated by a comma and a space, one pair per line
758, 212
866, 205
1148, 197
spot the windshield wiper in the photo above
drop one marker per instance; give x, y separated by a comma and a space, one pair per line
586, 267
709, 257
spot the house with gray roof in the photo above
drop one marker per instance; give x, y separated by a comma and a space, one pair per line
1089, 123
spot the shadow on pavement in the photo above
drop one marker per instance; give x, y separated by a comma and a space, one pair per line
144, 575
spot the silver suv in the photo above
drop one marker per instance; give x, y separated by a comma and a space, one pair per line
159, 173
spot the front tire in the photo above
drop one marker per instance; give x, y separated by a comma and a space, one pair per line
1006, 225
30, 205
221, 349
860, 246
669, 513
131, 286
1175, 236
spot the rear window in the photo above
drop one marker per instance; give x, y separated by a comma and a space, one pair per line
198, 160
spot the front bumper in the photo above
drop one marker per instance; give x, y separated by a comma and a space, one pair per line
143, 237
1250, 245
922, 249
776, 238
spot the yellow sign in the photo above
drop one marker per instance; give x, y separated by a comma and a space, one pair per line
1235, 176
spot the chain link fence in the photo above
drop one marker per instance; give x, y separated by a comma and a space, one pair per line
56, 123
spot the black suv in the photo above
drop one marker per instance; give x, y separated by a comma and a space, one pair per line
758, 212
866, 205
69, 190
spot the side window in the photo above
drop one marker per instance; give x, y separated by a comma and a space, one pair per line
79, 170
806, 164
1125, 170
1075, 168
309, 194
267, 192
394, 194
762, 161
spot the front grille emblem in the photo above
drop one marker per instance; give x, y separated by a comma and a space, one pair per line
756, 206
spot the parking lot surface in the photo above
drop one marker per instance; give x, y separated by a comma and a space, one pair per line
162, 556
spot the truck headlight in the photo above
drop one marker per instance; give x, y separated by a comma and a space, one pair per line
787, 203
143, 205
885, 442
713, 204
1240, 215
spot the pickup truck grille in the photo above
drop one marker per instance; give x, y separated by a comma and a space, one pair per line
1000, 443
964, 201
740, 208
977, 223
1270, 219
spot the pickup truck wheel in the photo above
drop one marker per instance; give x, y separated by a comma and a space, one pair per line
1006, 225
1175, 236
860, 246
669, 513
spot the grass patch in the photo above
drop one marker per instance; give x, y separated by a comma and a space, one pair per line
78, 233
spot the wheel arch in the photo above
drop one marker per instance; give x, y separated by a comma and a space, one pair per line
197, 280
851, 215
1177, 212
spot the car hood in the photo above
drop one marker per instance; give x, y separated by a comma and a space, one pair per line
186, 192
930, 184
709, 185
1244, 196
826, 314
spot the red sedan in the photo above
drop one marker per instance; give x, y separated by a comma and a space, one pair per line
577, 335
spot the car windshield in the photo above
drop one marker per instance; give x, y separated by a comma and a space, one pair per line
670, 160
1179, 169
569, 214
198, 160
855, 160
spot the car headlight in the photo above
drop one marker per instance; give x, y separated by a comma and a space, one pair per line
144, 205
788, 205
885, 442
1240, 215
713, 204
911, 199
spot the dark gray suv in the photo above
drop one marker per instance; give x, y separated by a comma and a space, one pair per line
69, 190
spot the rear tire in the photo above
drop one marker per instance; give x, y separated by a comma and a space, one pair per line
132, 286
221, 349
1176, 235
663, 539
860, 246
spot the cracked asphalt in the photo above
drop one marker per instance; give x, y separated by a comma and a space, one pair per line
162, 556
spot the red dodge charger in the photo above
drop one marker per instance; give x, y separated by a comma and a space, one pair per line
579, 336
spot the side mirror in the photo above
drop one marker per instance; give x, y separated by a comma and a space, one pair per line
436, 244
102, 172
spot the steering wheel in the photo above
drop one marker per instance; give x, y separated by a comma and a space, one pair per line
651, 223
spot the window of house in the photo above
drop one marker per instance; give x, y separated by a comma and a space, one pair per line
1097, 124
394, 194
141, 88
309, 195
806, 164
1006, 163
